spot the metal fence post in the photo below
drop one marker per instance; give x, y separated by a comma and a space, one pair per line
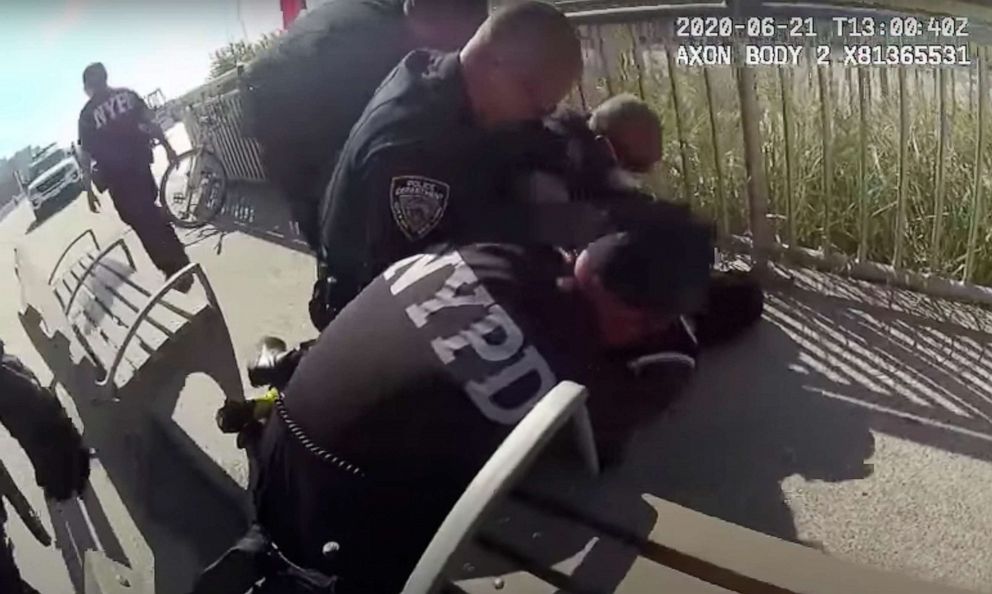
976, 197
940, 181
754, 162
901, 199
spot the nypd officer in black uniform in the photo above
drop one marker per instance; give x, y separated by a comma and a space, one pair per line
116, 130
370, 446
35, 419
305, 93
424, 163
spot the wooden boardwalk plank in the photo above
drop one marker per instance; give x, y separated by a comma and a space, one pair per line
716, 551
586, 560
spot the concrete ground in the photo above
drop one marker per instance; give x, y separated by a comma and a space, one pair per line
855, 420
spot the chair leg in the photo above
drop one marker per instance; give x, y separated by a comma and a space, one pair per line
585, 439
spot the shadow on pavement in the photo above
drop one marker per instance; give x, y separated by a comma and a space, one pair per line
801, 395
186, 508
254, 209
924, 377
747, 421
73, 536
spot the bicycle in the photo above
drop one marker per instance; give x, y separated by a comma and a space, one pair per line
193, 188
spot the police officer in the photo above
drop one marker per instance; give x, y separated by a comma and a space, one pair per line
33, 416
305, 93
115, 130
369, 448
424, 164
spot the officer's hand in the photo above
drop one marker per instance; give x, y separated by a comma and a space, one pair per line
170, 154
93, 201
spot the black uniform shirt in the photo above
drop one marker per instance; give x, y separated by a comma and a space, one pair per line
417, 382
313, 83
417, 170
110, 130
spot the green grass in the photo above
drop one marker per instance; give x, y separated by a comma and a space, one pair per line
813, 210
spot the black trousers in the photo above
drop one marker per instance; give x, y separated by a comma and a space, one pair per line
10, 577
134, 192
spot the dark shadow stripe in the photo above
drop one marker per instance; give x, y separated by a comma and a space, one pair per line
687, 564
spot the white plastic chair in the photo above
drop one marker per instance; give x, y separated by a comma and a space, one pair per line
511, 459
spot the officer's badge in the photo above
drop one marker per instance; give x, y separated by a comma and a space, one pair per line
418, 204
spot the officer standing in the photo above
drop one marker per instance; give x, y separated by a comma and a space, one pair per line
370, 447
423, 164
33, 416
304, 94
115, 130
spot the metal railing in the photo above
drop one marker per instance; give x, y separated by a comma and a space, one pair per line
877, 172
828, 166
240, 155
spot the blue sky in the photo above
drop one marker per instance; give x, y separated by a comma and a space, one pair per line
145, 44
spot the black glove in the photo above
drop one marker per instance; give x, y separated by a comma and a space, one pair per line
233, 416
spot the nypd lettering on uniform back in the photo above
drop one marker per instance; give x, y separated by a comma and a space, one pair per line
418, 204
118, 104
488, 342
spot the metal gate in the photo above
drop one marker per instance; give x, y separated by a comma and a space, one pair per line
218, 121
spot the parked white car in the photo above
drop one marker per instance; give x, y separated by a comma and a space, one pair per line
55, 177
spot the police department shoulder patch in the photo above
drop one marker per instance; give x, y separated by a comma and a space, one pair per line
418, 204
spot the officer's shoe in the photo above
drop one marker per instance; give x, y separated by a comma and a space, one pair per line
273, 363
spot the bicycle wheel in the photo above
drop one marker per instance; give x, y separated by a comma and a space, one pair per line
193, 188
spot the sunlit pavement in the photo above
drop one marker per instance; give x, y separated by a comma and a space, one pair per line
828, 427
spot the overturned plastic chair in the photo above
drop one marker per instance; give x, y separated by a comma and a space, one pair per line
525, 442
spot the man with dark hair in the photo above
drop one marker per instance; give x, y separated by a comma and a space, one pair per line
369, 448
116, 129
424, 164
35, 418
304, 94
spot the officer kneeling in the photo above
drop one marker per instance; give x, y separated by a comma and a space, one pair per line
412, 388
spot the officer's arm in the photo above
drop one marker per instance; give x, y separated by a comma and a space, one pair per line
629, 211
85, 167
36, 420
83, 154
149, 125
